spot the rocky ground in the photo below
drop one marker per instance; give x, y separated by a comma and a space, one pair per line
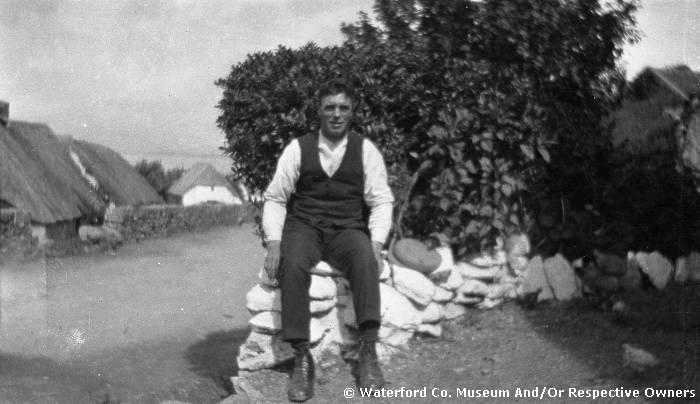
553, 346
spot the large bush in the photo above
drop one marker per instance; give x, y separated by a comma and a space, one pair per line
487, 105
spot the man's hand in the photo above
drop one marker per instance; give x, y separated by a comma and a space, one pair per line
272, 260
377, 247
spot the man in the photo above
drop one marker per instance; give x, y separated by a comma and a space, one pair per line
316, 209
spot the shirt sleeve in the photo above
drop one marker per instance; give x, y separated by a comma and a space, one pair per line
279, 191
378, 195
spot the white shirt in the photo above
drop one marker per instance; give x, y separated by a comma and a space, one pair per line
377, 193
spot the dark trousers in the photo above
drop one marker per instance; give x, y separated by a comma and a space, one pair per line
348, 250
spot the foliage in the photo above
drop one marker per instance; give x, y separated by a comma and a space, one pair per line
652, 198
160, 179
499, 102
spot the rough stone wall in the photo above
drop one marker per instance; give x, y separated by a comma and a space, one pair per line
136, 223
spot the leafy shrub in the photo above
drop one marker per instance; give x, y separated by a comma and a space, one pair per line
496, 103
160, 179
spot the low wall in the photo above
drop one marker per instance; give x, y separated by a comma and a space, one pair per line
15, 233
136, 223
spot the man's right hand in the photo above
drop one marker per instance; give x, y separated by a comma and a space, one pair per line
272, 259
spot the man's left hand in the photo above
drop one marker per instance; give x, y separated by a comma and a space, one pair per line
377, 247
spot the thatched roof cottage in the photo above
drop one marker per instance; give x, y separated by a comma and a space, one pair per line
39, 178
203, 184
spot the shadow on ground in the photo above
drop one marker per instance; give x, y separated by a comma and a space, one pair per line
214, 357
42, 380
665, 323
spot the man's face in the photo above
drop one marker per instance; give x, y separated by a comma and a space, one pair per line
335, 113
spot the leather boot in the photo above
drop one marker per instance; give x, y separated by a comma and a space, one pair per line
301, 384
368, 372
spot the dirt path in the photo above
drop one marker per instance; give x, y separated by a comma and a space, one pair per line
159, 320
163, 319
509, 352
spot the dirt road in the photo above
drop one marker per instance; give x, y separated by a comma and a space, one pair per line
159, 320
163, 319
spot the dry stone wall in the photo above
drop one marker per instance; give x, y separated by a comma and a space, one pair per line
413, 302
136, 223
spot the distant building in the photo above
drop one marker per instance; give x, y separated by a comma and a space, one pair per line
641, 123
203, 184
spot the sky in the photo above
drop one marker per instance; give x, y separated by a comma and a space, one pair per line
138, 76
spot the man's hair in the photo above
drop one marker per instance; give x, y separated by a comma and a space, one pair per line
337, 86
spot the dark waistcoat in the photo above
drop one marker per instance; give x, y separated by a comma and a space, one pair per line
330, 202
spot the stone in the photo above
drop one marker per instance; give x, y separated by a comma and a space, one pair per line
397, 310
266, 322
518, 264
244, 391
469, 271
473, 287
657, 267
468, 300
113, 235
386, 271
322, 288
487, 304
453, 281
637, 358
433, 329
262, 351
693, 264
324, 269
517, 245
93, 234
442, 295
321, 306
488, 260
452, 311
317, 329
431, 313
413, 285
534, 280
501, 291
447, 263
682, 273
562, 278
396, 337
610, 264
632, 279
414, 254
263, 298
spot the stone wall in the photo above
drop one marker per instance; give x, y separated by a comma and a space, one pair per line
418, 302
136, 223
411, 302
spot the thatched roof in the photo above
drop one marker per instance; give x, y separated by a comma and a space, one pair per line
116, 177
201, 174
39, 177
641, 121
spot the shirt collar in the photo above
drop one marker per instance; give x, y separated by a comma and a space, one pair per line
325, 143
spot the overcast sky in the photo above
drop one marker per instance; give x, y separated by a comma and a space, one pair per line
138, 75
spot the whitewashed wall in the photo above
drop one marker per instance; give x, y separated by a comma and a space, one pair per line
202, 194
